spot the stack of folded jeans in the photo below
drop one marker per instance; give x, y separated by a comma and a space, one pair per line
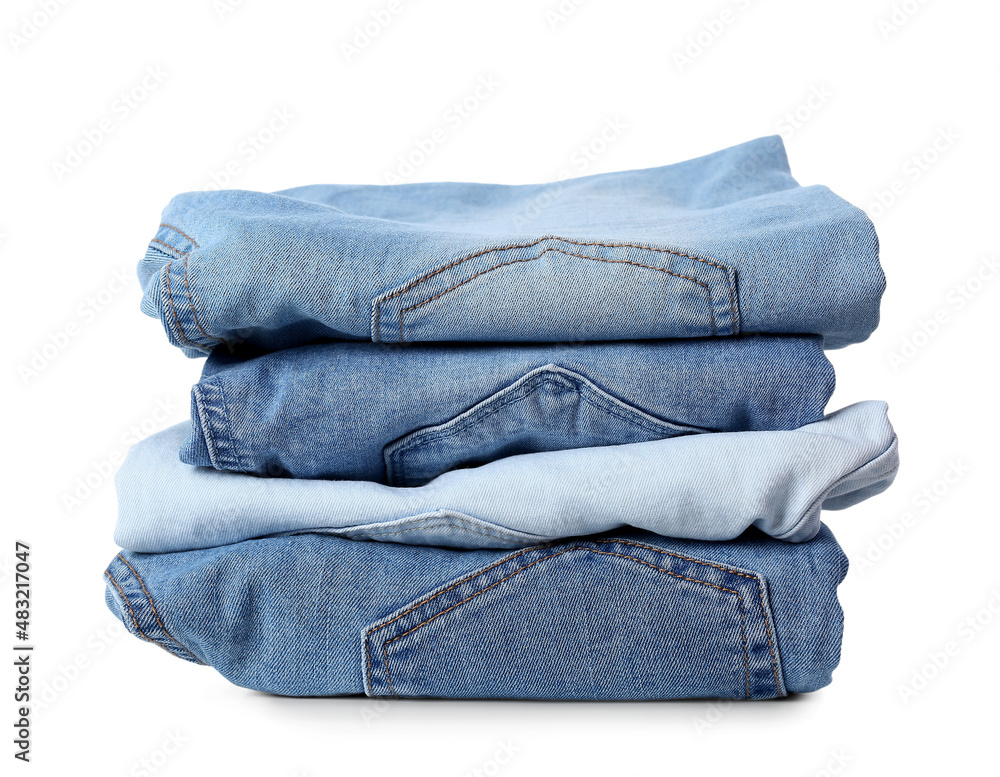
558, 441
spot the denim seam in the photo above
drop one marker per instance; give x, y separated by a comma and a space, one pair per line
199, 404
460, 581
755, 578
155, 613
216, 426
234, 448
708, 291
818, 501
746, 658
173, 307
187, 284
640, 418
175, 250
501, 532
377, 306
182, 234
586, 392
131, 613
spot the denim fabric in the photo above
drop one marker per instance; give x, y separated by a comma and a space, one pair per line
403, 416
629, 616
718, 245
705, 486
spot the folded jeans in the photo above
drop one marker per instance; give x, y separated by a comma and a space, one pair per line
702, 486
628, 616
718, 245
403, 416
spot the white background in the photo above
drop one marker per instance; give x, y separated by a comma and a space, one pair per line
884, 88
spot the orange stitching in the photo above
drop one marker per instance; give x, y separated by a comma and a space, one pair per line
175, 229
760, 590
130, 612
388, 679
155, 613
385, 646
191, 303
176, 250
378, 304
708, 291
457, 583
194, 312
170, 296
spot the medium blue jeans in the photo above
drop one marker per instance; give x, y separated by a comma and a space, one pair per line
719, 245
403, 416
701, 486
628, 616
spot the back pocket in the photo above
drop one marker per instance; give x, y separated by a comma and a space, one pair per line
551, 408
604, 619
557, 289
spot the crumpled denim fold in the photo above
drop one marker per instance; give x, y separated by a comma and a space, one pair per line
402, 416
627, 616
719, 245
706, 486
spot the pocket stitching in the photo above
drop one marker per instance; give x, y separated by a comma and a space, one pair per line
432, 273
708, 291
581, 386
755, 578
385, 646
499, 535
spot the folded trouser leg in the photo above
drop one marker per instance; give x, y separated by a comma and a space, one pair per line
698, 486
425, 409
715, 246
625, 616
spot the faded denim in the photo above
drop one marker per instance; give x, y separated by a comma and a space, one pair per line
703, 486
403, 416
630, 616
718, 245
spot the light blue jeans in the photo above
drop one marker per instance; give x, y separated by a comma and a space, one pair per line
402, 416
703, 486
627, 616
719, 245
